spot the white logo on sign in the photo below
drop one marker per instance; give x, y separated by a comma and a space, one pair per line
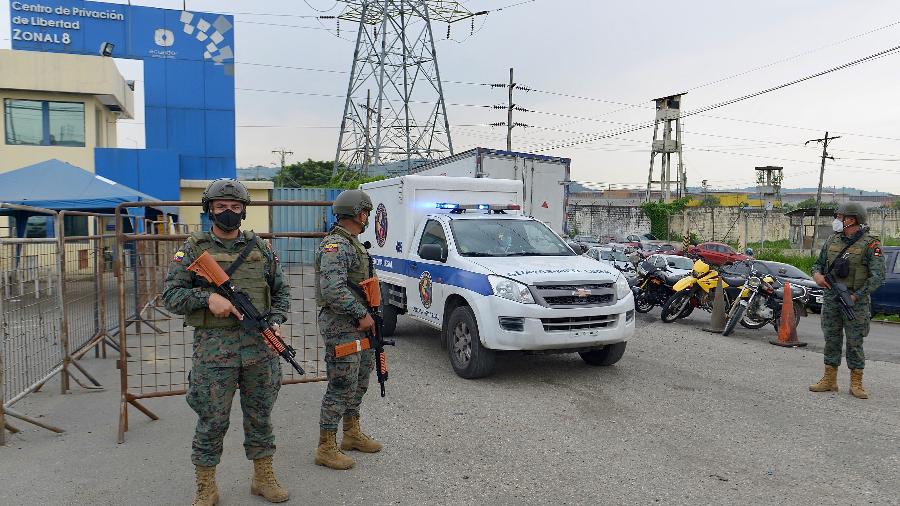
163, 37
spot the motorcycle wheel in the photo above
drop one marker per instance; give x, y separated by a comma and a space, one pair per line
676, 305
642, 304
749, 323
734, 319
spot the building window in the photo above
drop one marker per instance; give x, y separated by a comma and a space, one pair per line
75, 226
44, 123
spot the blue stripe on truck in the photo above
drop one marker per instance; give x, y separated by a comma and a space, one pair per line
442, 274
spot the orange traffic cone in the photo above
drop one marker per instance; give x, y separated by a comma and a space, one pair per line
787, 331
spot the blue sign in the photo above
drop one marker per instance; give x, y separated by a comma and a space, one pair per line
188, 78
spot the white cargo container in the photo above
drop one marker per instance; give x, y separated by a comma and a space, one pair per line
457, 254
543, 179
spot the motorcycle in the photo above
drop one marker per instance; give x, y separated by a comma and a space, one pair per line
693, 291
653, 288
760, 301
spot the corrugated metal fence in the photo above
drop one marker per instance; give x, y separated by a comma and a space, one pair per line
301, 219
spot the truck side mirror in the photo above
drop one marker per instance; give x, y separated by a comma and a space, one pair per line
432, 252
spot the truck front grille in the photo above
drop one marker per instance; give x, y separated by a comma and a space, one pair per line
578, 323
574, 294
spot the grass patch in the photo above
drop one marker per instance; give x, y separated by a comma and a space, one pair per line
802, 262
890, 241
886, 318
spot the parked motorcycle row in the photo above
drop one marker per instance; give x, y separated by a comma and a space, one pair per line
753, 299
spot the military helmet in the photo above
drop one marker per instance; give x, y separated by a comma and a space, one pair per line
351, 203
853, 209
225, 189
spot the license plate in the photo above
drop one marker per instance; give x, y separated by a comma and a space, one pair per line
585, 333
819, 299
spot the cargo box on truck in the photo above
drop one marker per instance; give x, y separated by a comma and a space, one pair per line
543, 179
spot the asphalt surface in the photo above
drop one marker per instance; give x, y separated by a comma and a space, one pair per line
686, 417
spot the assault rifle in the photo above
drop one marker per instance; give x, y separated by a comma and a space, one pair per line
841, 295
371, 293
207, 268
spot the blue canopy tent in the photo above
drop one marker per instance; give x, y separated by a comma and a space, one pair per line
57, 185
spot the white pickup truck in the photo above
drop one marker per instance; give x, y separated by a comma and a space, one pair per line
456, 253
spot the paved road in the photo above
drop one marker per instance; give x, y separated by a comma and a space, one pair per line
685, 418
882, 343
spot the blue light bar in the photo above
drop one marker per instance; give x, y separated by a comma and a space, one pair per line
446, 205
483, 206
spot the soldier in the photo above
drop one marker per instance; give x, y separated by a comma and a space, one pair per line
226, 356
341, 261
854, 257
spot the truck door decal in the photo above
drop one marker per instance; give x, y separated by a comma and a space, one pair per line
425, 289
381, 225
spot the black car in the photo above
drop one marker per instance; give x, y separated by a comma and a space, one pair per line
785, 273
887, 298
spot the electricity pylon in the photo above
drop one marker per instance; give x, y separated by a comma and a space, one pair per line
395, 56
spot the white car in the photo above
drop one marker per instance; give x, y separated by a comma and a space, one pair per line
677, 265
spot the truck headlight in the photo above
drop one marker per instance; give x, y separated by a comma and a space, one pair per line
509, 289
622, 288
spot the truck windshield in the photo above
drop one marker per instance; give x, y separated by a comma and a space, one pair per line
504, 238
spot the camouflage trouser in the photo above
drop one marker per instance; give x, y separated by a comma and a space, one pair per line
835, 325
210, 391
348, 376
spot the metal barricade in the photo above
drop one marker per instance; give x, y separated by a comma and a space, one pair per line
156, 346
31, 346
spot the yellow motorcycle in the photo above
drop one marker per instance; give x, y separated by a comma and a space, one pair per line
696, 290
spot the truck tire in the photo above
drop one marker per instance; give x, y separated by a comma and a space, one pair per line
388, 320
468, 357
606, 356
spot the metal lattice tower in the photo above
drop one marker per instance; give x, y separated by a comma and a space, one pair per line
668, 111
395, 59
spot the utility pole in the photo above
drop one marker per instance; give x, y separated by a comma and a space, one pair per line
824, 142
368, 150
510, 107
509, 110
283, 154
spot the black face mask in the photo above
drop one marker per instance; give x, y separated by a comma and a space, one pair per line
227, 220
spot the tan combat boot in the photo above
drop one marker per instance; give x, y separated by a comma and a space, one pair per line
207, 493
828, 383
856, 386
355, 439
264, 482
328, 455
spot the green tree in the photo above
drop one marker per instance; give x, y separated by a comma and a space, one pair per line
710, 201
318, 174
896, 204
811, 204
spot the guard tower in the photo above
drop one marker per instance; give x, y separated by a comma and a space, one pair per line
668, 111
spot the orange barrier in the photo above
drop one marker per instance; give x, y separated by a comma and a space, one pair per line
787, 331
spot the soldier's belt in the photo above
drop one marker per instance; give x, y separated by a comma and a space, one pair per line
344, 349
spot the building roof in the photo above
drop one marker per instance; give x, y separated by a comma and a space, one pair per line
67, 73
54, 184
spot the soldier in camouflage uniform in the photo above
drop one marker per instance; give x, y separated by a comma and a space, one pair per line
343, 318
861, 268
227, 357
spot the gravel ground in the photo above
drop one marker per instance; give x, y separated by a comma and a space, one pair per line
686, 417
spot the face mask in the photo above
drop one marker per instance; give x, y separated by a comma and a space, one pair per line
227, 220
363, 224
837, 225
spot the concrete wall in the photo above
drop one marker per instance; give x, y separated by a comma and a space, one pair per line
609, 223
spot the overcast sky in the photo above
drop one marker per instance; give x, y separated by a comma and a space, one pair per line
627, 52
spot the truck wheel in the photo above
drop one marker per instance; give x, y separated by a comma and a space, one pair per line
388, 320
469, 359
608, 355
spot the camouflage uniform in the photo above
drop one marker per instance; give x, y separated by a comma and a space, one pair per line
226, 356
866, 275
340, 258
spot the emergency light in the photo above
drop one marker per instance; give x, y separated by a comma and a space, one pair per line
484, 207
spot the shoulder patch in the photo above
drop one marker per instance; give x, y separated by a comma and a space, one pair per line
178, 256
331, 247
